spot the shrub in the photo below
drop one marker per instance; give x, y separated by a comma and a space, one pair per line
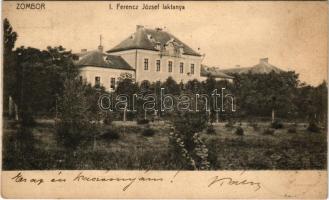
292, 130
143, 121
268, 131
254, 126
148, 132
110, 134
71, 135
229, 124
108, 120
211, 130
313, 127
277, 125
239, 131
214, 150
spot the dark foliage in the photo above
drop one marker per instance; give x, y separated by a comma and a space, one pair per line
268, 131
110, 134
255, 126
143, 121
313, 127
148, 132
108, 119
239, 131
277, 125
211, 130
230, 124
292, 130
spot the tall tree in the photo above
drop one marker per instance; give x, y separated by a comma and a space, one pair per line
9, 78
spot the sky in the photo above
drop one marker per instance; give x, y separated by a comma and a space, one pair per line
293, 35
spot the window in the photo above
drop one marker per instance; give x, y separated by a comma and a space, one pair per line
80, 78
97, 81
192, 68
146, 64
181, 67
158, 64
113, 83
170, 66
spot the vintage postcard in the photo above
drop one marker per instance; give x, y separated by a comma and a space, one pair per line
167, 99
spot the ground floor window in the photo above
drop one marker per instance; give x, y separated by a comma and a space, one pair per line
97, 81
113, 83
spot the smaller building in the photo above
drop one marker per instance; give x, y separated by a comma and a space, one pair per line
101, 69
263, 67
215, 72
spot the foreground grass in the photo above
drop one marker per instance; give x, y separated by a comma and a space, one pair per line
132, 150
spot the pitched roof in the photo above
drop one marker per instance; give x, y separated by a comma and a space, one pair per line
98, 59
148, 39
212, 71
263, 67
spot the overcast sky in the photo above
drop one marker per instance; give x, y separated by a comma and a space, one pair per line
293, 35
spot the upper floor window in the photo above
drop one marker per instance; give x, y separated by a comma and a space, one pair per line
146, 64
181, 68
158, 64
97, 81
192, 68
170, 66
113, 83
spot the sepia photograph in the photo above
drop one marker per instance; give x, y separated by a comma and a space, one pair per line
164, 86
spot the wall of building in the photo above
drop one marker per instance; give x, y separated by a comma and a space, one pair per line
203, 78
89, 73
129, 56
152, 75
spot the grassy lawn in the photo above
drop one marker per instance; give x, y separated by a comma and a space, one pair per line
299, 149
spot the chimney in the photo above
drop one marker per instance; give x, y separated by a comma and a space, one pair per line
139, 27
100, 48
158, 29
263, 60
83, 50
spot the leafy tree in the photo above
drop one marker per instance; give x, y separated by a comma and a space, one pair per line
40, 79
171, 86
74, 123
9, 70
127, 86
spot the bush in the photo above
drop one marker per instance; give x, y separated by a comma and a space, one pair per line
292, 130
277, 125
71, 135
143, 121
313, 127
239, 131
108, 120
211, 130
148, 132
268, 131
254, 126
229, 124
110, 134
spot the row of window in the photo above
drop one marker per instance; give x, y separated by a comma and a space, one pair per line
170, 66
98, 82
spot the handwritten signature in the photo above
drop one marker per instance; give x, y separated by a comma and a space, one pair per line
230, 181
81, 177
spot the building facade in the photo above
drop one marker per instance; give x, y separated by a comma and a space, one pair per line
146, 55
156, 54
100, 69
